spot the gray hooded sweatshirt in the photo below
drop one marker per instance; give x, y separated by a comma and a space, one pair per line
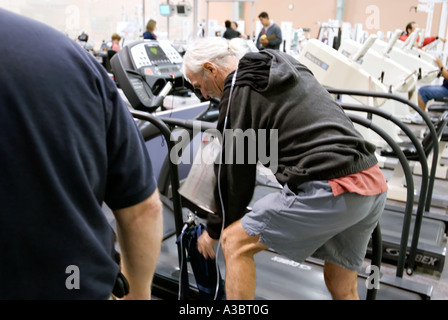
313, 139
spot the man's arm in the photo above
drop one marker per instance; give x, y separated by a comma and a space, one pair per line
258, 43
443, 71
277, 40
140, 232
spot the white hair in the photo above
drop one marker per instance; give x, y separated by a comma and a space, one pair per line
214, 49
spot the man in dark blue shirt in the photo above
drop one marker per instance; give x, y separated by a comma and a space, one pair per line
68, 144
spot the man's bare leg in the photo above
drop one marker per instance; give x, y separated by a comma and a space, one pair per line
239, 249
342, 283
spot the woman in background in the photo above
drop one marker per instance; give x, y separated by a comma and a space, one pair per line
116, 38
149, 33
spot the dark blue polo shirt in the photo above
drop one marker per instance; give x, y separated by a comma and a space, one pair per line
67, 144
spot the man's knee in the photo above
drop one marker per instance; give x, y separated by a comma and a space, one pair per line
232, 238
236, 242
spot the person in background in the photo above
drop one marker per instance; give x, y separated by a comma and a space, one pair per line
234, 26
333, 189
116, 38
230, 32
69, 144
410, 27
430, 92
270, 36
150, 28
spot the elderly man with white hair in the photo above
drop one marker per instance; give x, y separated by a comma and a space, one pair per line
333, 190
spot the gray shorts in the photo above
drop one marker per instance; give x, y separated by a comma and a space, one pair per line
316, 223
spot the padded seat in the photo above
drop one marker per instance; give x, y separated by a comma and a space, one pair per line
438, 108
444, 99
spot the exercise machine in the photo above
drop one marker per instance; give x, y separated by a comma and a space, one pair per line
397, 78
426, 71
277, 277
147, 71
427, 248
409, 46
335, 70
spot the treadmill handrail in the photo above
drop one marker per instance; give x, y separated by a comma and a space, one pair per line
423, 114
425, 174
189, 124
177, 202
410, 183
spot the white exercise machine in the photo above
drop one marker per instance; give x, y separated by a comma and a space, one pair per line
334, 70
426, 71
397, 78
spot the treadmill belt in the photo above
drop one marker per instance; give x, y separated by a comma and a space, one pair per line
278, 278
432, 231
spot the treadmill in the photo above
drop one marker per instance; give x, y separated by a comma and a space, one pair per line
427, 248
275, 274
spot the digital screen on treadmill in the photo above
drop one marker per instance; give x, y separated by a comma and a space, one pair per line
155, 53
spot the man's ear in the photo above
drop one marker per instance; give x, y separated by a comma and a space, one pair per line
209, 67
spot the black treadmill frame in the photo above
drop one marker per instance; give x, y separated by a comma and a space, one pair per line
424, 204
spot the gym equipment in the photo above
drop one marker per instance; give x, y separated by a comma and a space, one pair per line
427, 249
147, 71
397, 78
409, 46
275, 273
426, 71
335, 70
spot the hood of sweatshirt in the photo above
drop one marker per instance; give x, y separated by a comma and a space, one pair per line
264, 71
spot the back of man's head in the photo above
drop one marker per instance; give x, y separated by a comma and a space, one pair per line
264, 14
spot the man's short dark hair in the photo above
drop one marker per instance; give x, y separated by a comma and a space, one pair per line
264, 14
228, 24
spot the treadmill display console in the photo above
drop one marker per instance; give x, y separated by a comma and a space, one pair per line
154, 53
144, 68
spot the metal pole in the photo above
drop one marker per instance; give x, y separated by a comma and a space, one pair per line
252, 35
144, 15
442, 28
168, 23
195, 18
206, 19
429, 19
